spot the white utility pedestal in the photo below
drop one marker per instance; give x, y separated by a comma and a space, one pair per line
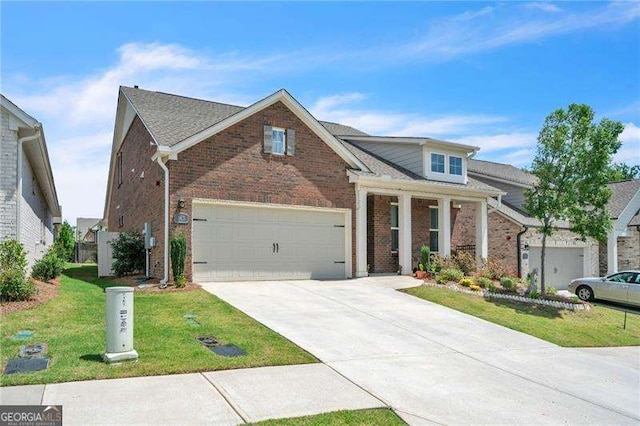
120, 325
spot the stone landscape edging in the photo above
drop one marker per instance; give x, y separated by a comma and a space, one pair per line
523, 299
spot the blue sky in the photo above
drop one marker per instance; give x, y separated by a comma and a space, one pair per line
480, 73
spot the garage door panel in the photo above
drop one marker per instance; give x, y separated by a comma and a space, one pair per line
562, 264
237, 243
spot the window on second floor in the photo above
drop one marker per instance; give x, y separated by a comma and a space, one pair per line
455, 165
437, 163
278, 138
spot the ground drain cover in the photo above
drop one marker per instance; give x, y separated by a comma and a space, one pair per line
23, 334
26, 365
208, 341
36, 350
191, 320
227, 350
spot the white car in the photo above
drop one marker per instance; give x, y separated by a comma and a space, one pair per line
622, 287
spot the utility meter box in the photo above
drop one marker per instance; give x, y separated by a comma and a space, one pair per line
119, 325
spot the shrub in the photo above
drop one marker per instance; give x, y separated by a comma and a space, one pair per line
438, 263
494, 269
49, 267
64, 245
128, 253
509, 283
465, 261
474, 287
178, 254
465, 282
425, 258
450, 274
14, 284
551, 290
491, 287
482, 282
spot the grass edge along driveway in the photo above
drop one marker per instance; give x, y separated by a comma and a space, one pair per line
374, 416
599, 327
73, 327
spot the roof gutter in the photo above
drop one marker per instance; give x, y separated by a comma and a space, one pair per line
21, 141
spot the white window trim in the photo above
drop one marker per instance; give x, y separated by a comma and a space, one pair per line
284, 140
396, 228
445, 159
448, 165
431, 209
446, 176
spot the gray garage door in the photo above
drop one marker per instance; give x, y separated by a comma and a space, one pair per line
562, 264
238, 243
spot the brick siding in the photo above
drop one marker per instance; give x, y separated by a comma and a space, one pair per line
628, 252
139, 199
231, 165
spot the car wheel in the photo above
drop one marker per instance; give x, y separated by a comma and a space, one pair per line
584, 293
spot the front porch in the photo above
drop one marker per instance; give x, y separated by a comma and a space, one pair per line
393, 224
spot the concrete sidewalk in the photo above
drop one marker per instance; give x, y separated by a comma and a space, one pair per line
222, 397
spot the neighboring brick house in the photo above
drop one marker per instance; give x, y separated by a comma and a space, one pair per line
513, 234
623, 242
269, 192
29, 208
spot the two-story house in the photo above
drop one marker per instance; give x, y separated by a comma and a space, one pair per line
269, 192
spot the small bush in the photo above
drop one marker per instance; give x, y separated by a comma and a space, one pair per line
465, 261
509, 283
438, 263
128, 253
491, 287
551, 290
474, 287
482, 282
14, 284
425, 258
450, 274
178, 254
494, 269
465, 282
49, 267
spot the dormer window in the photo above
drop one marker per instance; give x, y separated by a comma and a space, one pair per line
455, 165
437, 163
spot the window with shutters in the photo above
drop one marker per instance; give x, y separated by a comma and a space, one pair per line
279, 140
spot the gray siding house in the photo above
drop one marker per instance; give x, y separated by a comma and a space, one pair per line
29, 208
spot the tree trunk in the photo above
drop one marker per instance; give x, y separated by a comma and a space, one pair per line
542, 255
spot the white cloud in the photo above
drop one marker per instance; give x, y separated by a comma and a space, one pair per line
338, 108
500, 142
543, 6
494, 27
630, 150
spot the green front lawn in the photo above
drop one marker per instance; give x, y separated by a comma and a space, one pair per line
72, 325
600, 326
377, 416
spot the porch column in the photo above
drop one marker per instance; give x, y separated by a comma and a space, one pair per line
444, 226
361, 233
482, 232
404, 233
612, 252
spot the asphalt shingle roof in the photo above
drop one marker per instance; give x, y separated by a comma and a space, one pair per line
501, 171
380, 167
173, 118
622, 194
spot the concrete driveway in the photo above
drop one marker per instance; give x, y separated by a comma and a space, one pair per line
436, 365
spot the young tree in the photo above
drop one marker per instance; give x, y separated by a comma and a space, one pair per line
64, 244
572, 163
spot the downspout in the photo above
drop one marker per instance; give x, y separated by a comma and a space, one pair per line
518, 242
21, 141
166, 220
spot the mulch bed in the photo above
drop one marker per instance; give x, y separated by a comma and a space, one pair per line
134, 281
45, 291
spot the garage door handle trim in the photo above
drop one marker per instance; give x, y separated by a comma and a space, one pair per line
338, 261
195, 219
277, 248
199, 263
